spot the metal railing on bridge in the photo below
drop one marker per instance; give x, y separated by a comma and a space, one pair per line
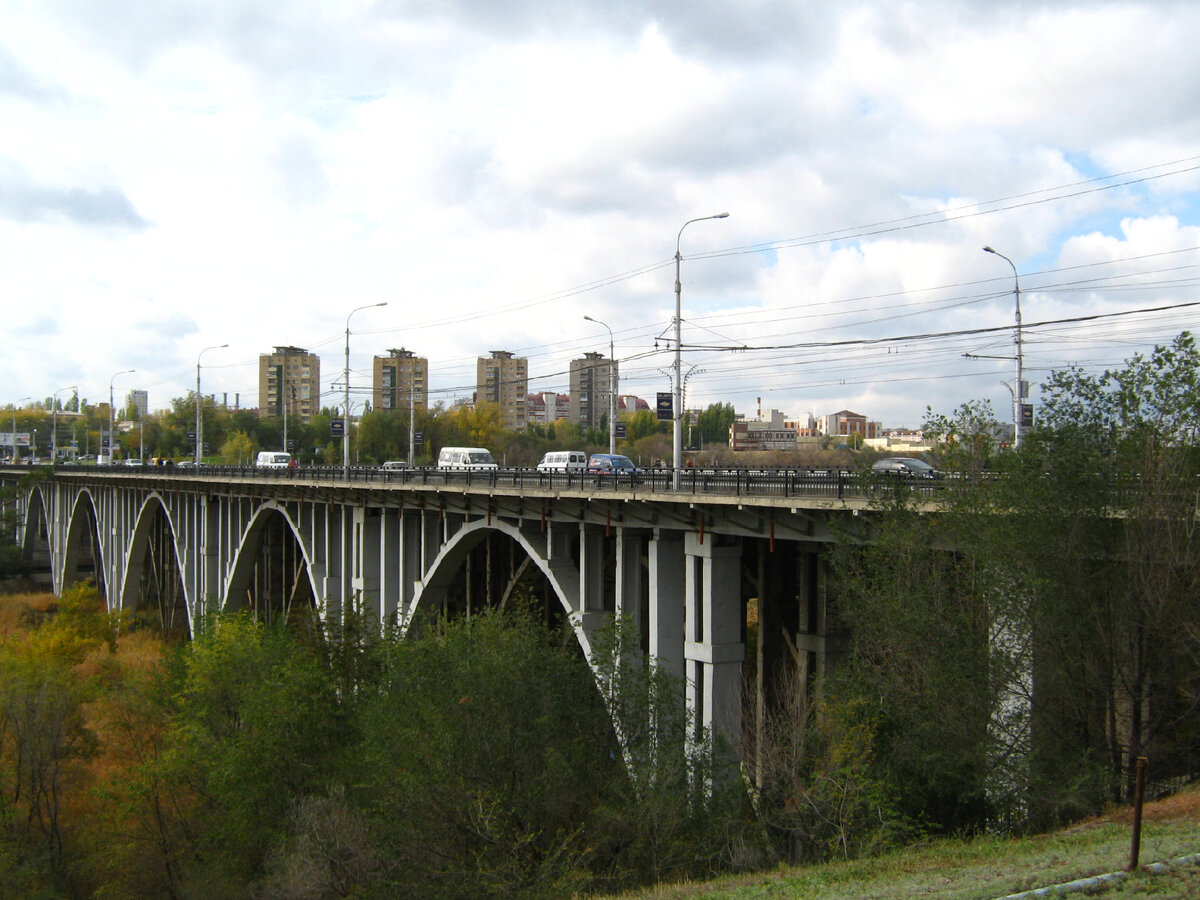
833, 483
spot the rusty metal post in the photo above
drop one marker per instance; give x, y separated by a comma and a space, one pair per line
1138, 793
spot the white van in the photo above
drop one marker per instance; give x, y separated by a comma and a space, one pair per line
273, 459
473, 458
563, 461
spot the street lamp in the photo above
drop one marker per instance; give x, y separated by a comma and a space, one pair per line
112, 419
14, 431
199, 420
1019, 387
346, 423
612, 388
54, 422
677, 422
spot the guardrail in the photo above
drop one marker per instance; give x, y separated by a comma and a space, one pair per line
758, 482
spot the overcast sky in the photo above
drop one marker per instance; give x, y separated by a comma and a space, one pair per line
179, 175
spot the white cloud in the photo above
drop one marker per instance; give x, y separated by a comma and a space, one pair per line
191, 174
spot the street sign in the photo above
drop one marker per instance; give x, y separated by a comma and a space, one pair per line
665, 407
191, 437
1026, 415
418, 438
291, 444
620, 429
337, 427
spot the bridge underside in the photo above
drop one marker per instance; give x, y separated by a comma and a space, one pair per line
724, 597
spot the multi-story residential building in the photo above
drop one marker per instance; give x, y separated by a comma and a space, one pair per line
846, 423
291, 376
504, 380
547, 407
140, 401
592, 380
400, 380
768, 433
630, 403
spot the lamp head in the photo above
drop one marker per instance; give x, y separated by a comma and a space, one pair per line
988, 250
723, 215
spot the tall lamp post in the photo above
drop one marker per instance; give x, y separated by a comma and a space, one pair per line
1019, 387
54, 422
14, 431
612, 387
346, 428
112, 419
199, 419
677, 413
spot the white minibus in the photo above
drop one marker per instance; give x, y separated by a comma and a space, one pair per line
472, 458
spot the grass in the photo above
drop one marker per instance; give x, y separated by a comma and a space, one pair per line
987, 868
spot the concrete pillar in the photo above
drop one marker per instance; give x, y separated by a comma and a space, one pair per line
715, 649
591, 569
390, 574
631, 578
666, 559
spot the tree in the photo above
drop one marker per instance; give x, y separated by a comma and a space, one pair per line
714, 423
238, 449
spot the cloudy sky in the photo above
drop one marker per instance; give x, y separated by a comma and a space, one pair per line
179, 174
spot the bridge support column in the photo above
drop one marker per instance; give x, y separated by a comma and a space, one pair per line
630, 578
666, 601
367, 554
714, 649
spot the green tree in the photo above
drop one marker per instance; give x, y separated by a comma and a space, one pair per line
238, 450
714, 423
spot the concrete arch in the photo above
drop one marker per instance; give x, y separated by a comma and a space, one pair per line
127, 593
241, 569
36, 523
84, 518
561, 574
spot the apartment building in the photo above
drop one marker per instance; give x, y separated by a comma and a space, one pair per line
592, 380
291, 376
503, 379
400, 380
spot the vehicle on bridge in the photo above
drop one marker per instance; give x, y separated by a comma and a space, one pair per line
273, 459
611, 464
473, 459
563, 461
905, 467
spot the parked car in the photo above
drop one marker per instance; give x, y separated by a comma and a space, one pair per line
905, 467
611, 464
563, 461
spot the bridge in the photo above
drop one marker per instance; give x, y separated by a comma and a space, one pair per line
408, 546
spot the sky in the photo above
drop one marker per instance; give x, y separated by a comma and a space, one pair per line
177, 175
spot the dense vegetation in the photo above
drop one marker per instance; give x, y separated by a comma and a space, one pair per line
480, 760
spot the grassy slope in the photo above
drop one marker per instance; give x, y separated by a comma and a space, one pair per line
989, 868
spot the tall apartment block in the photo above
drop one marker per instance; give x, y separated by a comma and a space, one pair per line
591, 383
400, 380
292, 376
504, 379
139, 400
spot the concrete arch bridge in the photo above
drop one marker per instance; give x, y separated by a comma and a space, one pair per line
686, 568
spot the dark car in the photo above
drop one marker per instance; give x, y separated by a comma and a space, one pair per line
905, 467
610, 464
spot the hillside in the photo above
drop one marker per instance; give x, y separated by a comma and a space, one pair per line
989, 868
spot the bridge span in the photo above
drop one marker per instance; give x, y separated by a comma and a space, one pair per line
684, 567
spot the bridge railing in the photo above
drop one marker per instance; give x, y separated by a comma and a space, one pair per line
810, 482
